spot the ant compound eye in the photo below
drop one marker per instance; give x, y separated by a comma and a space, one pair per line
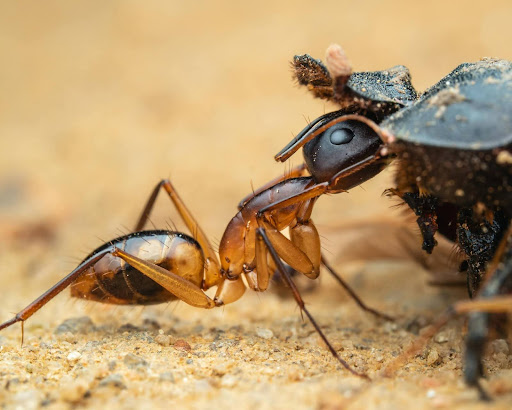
341, 135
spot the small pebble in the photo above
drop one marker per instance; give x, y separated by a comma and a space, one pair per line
73, 356
166, 377
499, 346
26, 400
501, 359
75, 325
181, 344
114, 380
202, 386
433, 357
134, 361
390, 327
441, 337
379, 358
431, 393
229, 381
163, 340
220, 369
73, 390
264, 333
347, 345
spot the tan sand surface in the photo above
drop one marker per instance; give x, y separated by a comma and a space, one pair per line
99, 100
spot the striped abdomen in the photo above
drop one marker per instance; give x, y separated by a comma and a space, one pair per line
112, 280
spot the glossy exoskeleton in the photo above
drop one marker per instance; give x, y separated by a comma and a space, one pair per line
452, 146
149, 267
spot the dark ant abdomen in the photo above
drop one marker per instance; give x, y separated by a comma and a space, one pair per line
112, 280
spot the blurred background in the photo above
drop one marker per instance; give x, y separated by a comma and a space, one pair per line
100, 100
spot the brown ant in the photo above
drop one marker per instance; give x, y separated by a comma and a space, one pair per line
150, 267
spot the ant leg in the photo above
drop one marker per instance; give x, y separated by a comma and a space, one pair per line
292, 254
488, 301
499, 282
305, 236
42, 300
302, 252
212, 268
289, 282
352, 294
178, 286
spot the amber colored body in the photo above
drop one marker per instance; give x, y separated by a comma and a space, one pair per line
237, 250
112, 280
149, 267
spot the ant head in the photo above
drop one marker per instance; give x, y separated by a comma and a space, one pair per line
347, 146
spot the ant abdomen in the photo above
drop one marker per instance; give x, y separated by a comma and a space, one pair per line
112, 280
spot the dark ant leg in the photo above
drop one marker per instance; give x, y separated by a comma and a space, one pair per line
42, 300
479, 240
352, 294
491, 299
478, 323
313, 74
289, 282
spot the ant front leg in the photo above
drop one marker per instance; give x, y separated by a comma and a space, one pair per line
303, 250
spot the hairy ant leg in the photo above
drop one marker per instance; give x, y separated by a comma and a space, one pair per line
43, 299
352, 294
262, 233
302, 251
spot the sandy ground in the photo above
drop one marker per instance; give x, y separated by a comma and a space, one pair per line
99, 100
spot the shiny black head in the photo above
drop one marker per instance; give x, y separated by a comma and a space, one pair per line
349, 148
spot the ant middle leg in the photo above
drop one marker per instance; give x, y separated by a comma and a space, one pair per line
303, 251
264, 240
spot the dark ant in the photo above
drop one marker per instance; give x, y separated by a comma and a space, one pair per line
453, 150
